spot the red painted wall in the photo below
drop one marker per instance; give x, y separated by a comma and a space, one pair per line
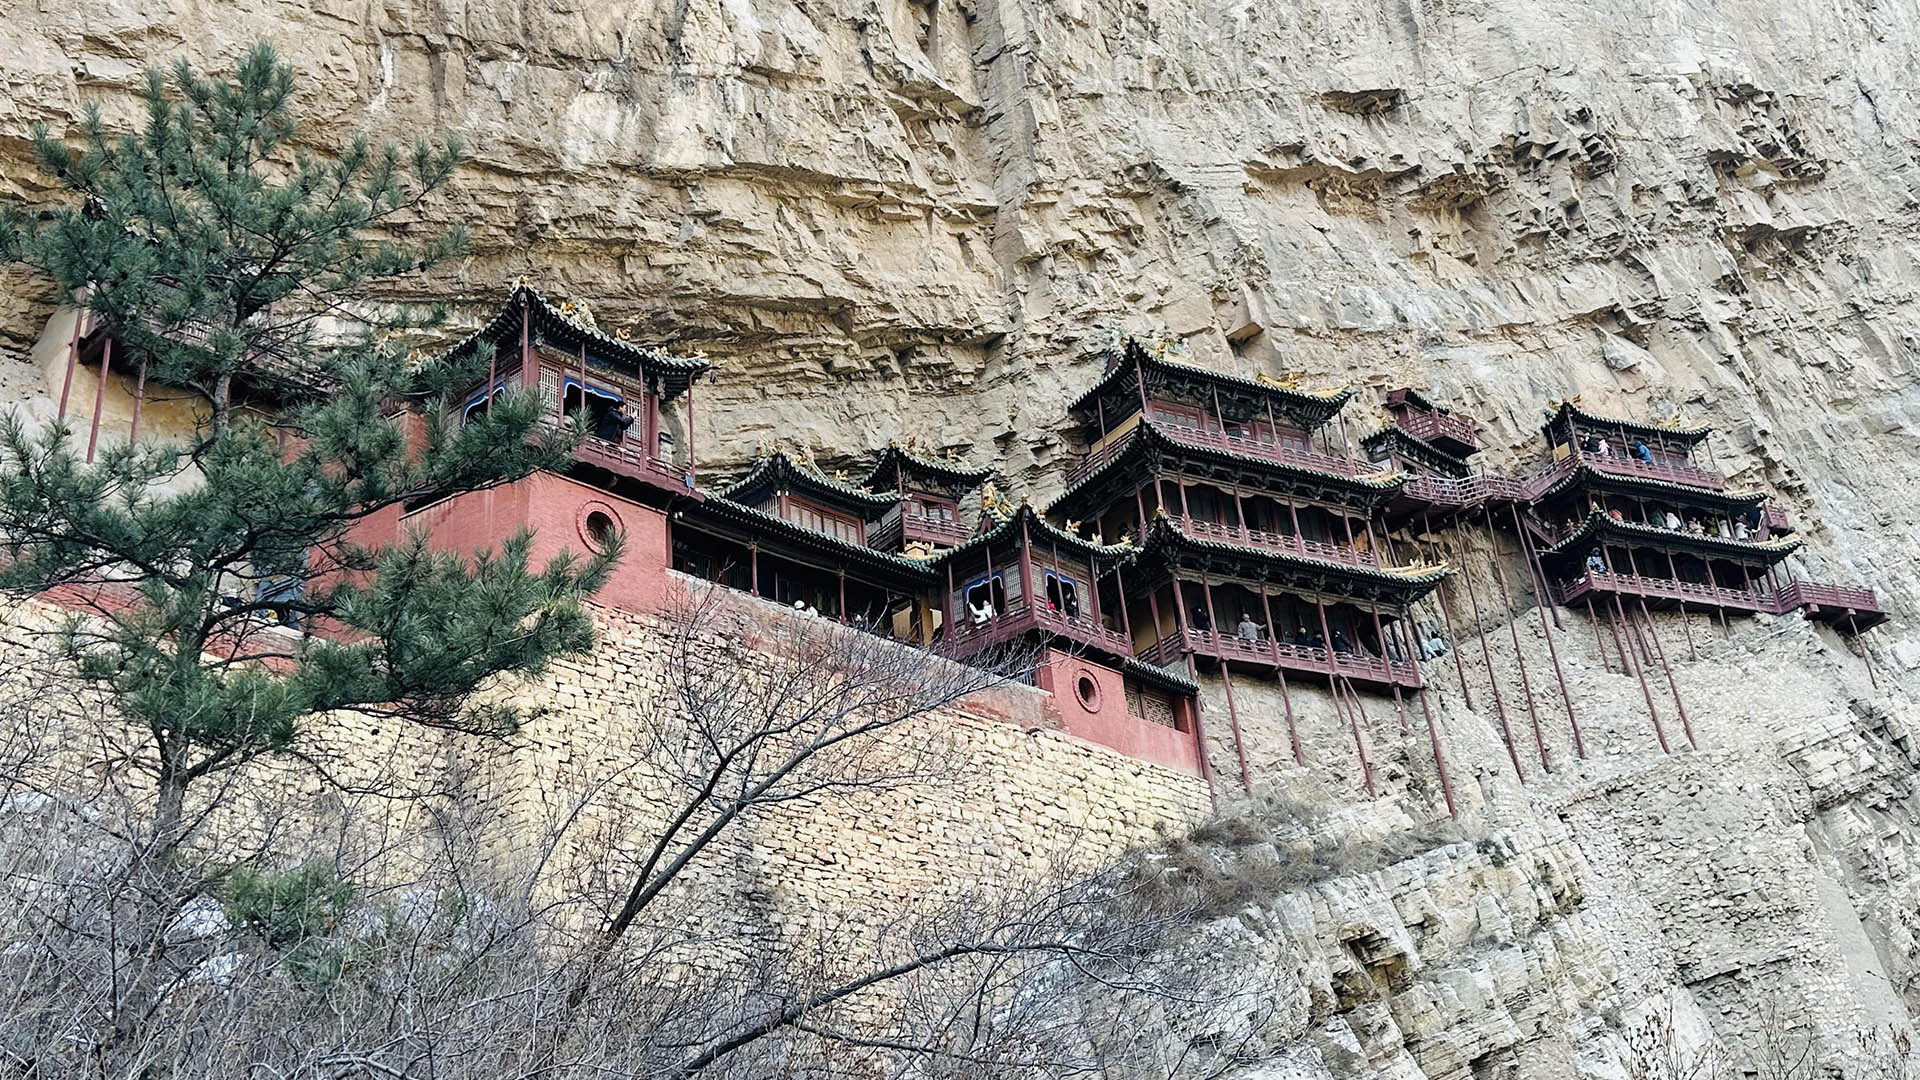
555, 509
1104, 719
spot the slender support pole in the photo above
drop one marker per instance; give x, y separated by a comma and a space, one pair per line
753, 567
1659, 650
1200, 736
1120, 593
1140, 506
1493, 677
1639, 672
139, 399
73, 360
100, 396
1599, 643
1853, 630
1363, 730
1446, 617
1233, 717
1153, 606
1541, 603
1726, 628
1286, 700
1513, 631
693, 463
1386, 657
1439, 756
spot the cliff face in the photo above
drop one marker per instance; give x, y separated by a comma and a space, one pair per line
907, 217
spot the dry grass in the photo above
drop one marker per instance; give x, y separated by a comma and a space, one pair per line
1276, 846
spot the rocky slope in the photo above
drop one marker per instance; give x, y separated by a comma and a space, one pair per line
910, 217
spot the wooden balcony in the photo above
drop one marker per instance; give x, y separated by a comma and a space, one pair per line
1281, 543
627, 459
1664, 593
937, 533
1837, 605
1666, 471
1020, 620
1302, 659
1773, 519
1459, 493
1244, 445
1453, 434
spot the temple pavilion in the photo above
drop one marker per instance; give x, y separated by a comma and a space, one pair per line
1257, 546
1627, 510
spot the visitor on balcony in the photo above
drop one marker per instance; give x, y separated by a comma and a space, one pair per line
1596, 562
612, 424
1248, 631
1605, 449
1670, 519
1202, 620
1640, 451
1616, 515
1432, 645
1306, 638
1721, 530
1341, 643
1695, 527
1590, 444
1740, 530
981, 608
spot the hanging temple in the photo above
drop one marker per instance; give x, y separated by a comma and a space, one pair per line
1212, 528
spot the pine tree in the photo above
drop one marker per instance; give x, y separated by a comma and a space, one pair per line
221, 259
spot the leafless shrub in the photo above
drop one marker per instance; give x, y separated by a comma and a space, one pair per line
334, 931
1274, 846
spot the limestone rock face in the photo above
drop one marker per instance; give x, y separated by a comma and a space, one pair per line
909, 217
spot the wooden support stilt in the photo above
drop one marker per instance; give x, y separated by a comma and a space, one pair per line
1659, 650
1513, 631
1446, 617
1493, 677
1359, 740
1653, 713
1599, 643
1233, 718
139, 399
73, 361
100, 396
1439, 755
1853, 631
1200, 737
1286, 700
1542, 603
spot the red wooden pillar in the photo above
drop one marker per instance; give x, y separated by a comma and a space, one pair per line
1493, 677
1286, 700
139, 399
1653, 713
1519, 657
100, 396
1439, 755
73, 361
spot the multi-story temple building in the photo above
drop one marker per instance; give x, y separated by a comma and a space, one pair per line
1254, 546
1625, 511
1210, 530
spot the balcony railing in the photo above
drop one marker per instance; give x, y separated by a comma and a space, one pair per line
1279, 542
1654, 588
948, 533
1265, 449
1796, 594
1465, 491
1670, 472
627, 458
1308, 659
1433, 426
1773, 518
1021, 618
